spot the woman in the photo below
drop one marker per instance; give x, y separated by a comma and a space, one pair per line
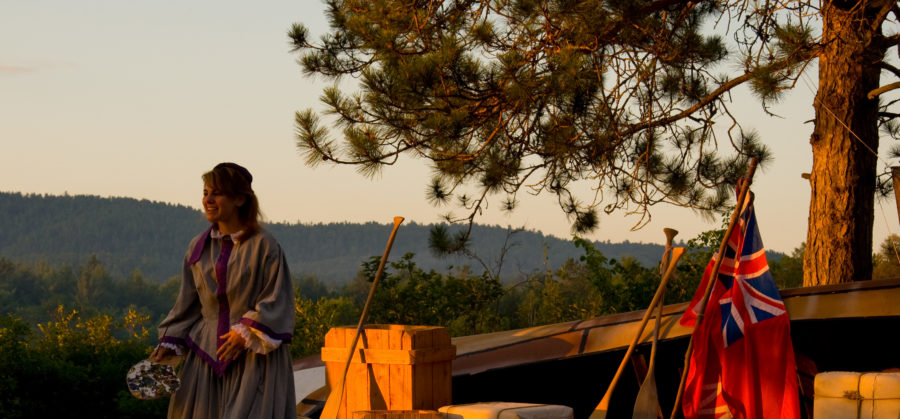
234, 314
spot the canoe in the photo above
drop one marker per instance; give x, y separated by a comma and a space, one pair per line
845, 327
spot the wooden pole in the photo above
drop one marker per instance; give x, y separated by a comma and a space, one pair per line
742, 195
333, 403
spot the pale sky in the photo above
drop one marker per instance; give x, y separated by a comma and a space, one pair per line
139, 98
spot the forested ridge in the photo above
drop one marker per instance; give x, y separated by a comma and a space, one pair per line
127, 234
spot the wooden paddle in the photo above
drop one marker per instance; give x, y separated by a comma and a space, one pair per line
646, 405
333, 403
602, 408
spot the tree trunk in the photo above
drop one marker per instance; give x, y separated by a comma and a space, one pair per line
844, 144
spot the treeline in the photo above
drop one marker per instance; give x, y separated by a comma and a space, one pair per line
69, 334
130, 235
33, 292
126, 234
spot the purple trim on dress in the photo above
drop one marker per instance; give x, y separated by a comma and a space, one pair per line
173, 340
198, 248
224, 324
217, 366
284, 337
221, 269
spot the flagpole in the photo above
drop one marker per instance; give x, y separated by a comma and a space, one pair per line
741, 197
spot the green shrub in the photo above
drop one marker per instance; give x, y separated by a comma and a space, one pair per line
73, 366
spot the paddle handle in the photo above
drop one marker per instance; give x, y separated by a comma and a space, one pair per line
603, 406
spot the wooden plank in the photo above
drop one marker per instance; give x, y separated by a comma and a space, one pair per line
440, 338
442, 369
379, 378
441, 384
344, 411
391, 356
400, 397
358, 381
421, 373
435, 354
393, 344
333, 370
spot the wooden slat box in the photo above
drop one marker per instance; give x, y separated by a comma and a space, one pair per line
394, 367
857, 395
506, 410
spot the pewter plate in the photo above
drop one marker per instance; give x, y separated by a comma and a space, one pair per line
149, 380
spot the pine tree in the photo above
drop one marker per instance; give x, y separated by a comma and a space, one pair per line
528, 96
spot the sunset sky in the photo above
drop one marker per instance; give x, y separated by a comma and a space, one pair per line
139, 98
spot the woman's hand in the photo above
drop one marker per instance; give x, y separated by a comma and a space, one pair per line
233, 346
161, 353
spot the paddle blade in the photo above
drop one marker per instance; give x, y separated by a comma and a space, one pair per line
598, 414
646, 406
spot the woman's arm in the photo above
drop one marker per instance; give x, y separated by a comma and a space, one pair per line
271, 322
174, 328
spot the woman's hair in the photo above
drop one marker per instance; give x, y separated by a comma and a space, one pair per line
234, 180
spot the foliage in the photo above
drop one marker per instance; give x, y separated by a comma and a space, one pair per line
72, 361
606, 105
53, 357
547, 299
699, 251
310, 287
406, 294
511, 96
627, 285
33, 292
887, 261
788, 271
315, 318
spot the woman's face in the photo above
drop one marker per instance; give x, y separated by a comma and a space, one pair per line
220, 208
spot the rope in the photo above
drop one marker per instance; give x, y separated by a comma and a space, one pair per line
807, 82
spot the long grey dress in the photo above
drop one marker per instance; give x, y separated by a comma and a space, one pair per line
258, 302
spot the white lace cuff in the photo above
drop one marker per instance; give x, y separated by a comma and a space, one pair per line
256, 340
177, 348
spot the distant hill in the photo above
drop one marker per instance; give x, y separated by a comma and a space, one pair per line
128, 234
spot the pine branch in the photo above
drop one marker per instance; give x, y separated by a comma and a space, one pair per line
883, 89
886, 66
882, 14
716, 94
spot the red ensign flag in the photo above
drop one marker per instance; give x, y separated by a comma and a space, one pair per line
743, 364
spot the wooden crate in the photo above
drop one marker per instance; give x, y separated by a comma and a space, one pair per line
394, 367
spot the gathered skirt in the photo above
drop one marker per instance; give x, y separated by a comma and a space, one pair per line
253, 386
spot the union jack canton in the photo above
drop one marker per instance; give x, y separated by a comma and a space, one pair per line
750, 292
